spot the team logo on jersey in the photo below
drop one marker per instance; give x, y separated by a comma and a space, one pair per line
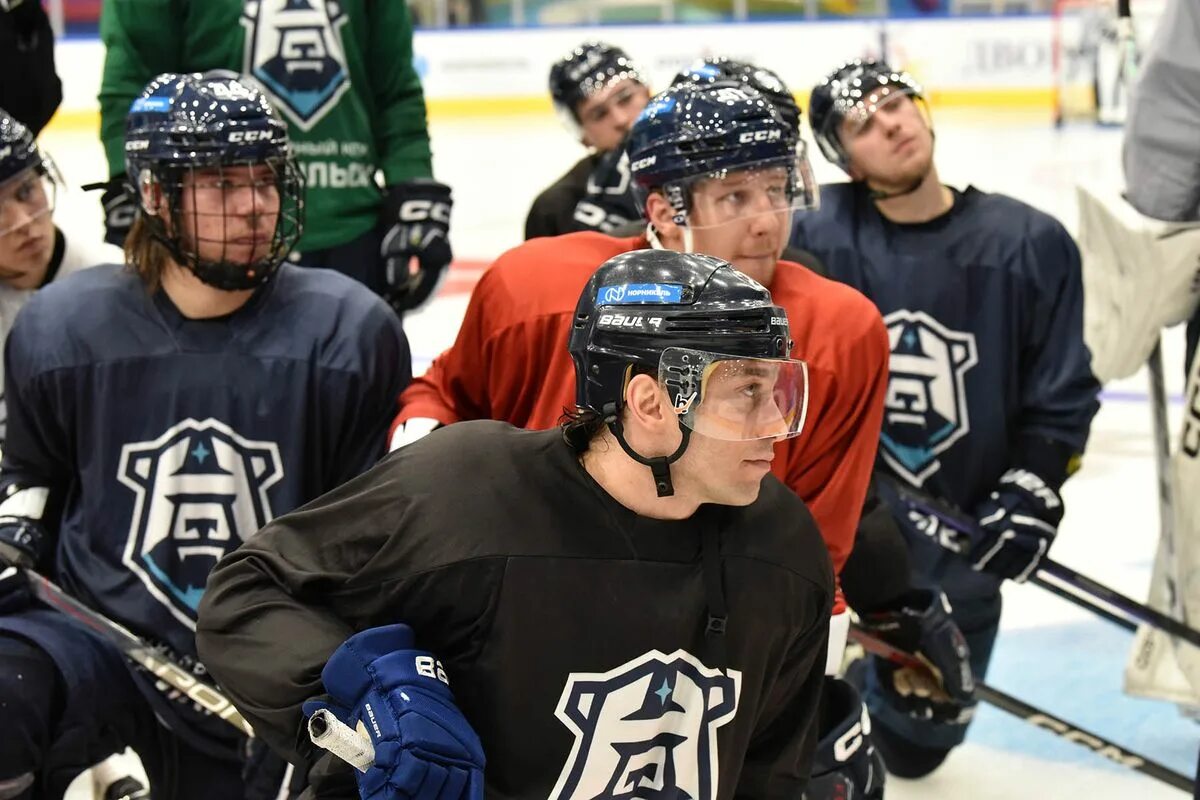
647, 729
294, 49
925, 411
200, 490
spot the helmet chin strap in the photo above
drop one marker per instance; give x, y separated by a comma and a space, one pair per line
689, 245
660, 466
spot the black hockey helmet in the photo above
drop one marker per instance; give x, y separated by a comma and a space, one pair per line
586, 70
20, 157
699, 326
698, 131
855, 90
182, 124
720, 68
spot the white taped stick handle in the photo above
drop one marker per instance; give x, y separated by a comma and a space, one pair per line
330, 733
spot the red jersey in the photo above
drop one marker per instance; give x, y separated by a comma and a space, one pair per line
510, 363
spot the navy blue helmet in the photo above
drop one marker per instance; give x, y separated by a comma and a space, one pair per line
694, 131
719, 68
18, 151
21, 160
586, 70
211, 128
854, 90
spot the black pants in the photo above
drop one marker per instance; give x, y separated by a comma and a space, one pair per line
70, 700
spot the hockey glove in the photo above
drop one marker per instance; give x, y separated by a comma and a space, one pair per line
399, 697
1017, 524
119, 208
416, 219
846, 765
919, 622
19, 548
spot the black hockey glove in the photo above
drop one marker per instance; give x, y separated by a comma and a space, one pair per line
1017, 524
919, 622
119, 208
21, 543
416, 221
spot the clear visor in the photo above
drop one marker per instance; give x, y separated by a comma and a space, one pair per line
27, 196
856, 110
775, 187
735, 399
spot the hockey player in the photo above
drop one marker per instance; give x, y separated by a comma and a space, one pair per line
990, 396
160, 414
630, 600
342, 75
34, 250
597, 92
731, 199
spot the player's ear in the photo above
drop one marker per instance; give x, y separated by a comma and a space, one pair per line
647, 404
661, 215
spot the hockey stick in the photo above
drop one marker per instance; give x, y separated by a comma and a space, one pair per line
1162, 463
1036, 716
159, 665
1053, 576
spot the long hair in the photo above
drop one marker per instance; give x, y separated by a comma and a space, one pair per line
145, 254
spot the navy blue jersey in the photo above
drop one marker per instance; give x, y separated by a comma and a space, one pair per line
984, 311
166, 442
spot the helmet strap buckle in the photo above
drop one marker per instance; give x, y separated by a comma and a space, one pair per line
660, 466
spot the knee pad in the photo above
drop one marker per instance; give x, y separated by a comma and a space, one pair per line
846, 765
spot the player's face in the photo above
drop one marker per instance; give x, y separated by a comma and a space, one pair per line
894, 147
743, 218
607, 116
739, 411
723, 472
229, 213
26, 229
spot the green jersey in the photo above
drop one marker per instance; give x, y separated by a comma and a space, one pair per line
340, 72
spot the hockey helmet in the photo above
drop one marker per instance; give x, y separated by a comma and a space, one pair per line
692, 320
700, 132
214, 128
854, 91
587, 70
28, 178
720, 68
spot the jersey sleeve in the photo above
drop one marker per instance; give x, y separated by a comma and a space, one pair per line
1059, 394
274, 610
35, 471
401, 131
455, 387
368, 410
831, 474
142, 38
779, 760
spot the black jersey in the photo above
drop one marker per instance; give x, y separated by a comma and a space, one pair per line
571, 628
553, 211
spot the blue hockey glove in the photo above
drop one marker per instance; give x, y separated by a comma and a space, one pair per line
1017, 524
417, 219
399, 698
919, 622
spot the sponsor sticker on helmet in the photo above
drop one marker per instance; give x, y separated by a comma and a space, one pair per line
641, 293
149, 104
